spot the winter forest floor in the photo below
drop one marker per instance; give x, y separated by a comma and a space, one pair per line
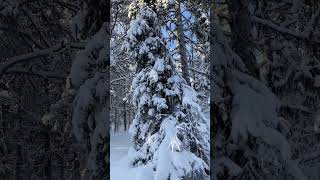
119, 145
119, 166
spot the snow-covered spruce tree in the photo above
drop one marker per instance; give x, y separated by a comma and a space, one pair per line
169, 132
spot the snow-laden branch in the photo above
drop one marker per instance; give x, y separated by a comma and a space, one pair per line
307, 31
221, 162
118, 79
44, 74
197, 71
39, 53
299, 35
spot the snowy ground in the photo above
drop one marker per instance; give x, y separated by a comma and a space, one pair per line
119, 145
119, 167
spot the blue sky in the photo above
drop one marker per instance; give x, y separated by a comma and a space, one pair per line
172, 44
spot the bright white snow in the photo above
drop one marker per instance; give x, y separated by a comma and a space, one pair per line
119, 164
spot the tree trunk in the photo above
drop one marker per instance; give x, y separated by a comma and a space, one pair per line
48, 165
115, 120
61, 168
18, 163
124, 116
241, 38
76, 170
182, 44
129, 118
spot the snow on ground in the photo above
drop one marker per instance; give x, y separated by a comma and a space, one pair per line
119, 166
119, 145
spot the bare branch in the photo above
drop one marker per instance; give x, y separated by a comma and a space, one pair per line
118, 79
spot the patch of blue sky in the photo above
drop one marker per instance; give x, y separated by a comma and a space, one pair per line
188, 19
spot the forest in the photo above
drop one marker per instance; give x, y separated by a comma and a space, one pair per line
159, 89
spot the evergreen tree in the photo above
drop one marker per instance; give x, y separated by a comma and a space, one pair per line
169, 132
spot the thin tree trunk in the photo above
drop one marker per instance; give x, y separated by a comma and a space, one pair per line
182, 43
124, 116
130, 120
61, 168
115, 120
18, 163
76, 170
48, 165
